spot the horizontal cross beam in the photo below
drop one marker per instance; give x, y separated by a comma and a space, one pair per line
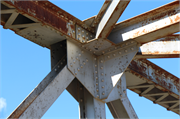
167, 47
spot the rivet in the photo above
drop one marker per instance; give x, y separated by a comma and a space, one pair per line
82, 31
86, 33
97, 96
74, 61
96, 78
80, 88
79, 55
87, 38
125, 50
114, 54
81, 100
82, 51
86, 60
83, 41
84, 63
96, 72
79, 29
119, 52
124, 91
73, 31
91, 36
108, 56
126, 43
132, 48
75, 73
132, 42
120, 95
102, 86
95, 65
103, 52
58, 66
115, 48
55, 69
81, 66
102, 80
97, 90
96, 84
94, 58
71, 64
103, 93
90, 50
102, 74
101, 61
94, 52
83, 36
101, 67
77, 58
79, 34
61, 63
78, 69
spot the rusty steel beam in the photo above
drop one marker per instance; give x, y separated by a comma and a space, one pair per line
149, 26
167, 47
47, 14
156, 75
110, 17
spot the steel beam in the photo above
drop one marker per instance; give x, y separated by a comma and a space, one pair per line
53, 76
148, 26
119, 103
154, 83
110, 17
167, 47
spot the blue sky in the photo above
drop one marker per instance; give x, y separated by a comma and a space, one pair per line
24, 64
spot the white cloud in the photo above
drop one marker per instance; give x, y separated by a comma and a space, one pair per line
2, 104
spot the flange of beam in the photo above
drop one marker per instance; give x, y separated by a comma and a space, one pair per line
149, 26
167, 47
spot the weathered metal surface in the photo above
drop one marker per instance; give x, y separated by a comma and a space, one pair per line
122, 108
156, 75
149, 26
48, 96
167, 47
38, 90
90, 107
110, 17
98, 17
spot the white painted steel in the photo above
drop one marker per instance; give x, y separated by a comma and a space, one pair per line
110, 17
49, 95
